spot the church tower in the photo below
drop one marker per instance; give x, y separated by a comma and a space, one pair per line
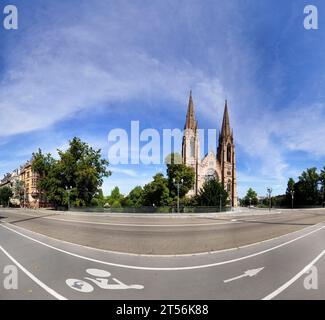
191, 143
226, 158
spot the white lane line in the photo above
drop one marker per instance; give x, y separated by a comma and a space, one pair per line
142, 225
132, 224
164, 268
294, 279
236, 220
31, 276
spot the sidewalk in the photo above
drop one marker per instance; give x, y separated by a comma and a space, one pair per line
238, 212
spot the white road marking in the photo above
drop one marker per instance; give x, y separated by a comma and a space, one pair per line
164, 268
294, 279
31, 276
131, 224
248, 273
237, 220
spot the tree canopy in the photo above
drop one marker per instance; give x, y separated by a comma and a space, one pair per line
5, 195
211, 193
79, 168
250, 197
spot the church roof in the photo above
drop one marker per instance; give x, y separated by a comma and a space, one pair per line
225, 130
191, 122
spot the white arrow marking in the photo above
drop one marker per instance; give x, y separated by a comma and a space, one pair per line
248, 273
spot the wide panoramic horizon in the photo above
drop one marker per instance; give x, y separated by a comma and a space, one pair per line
162, 155
83, 72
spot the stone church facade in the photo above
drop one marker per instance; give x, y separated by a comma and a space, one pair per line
221, 165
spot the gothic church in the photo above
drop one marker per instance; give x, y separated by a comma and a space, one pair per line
221, 165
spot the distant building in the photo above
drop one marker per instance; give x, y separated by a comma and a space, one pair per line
221, 165
30, 179
10, 180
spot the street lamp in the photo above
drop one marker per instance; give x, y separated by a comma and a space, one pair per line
292, 192
322, 190
178, 184
68, 191
269, 192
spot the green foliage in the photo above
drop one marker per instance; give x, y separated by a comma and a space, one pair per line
306, 189
5, 195
116, 198
134, 198
156, 192
250, 198
18, 190
211, 193
80, 168
178, 171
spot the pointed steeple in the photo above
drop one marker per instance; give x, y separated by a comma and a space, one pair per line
190, 117
225, 130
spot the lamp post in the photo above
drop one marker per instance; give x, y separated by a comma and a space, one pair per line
321, 190
250, 203
68, 191
178, 184
292, 192
269, 192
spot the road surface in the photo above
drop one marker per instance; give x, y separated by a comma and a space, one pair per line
50, 268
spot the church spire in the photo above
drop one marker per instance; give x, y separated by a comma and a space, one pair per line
225, 130
190, 117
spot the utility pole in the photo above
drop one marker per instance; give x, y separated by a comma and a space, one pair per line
178, 185
269, 191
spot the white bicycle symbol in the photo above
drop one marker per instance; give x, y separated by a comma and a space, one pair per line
101, 280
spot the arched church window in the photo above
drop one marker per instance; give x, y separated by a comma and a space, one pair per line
229, 153
192, 148
210, 174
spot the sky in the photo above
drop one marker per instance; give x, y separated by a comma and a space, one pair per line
83, 68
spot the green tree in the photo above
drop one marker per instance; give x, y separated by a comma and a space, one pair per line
116, 198
307, 187
80, 168
156, 192
177, 171
19, 190
5, 195
211, 193
134, 198
98, 200
251, 197
291, 187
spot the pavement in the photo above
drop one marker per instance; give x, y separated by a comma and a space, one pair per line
289, 265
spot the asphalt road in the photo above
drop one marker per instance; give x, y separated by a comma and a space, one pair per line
276, 269
164, 235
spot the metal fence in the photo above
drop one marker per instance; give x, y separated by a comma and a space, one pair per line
148, 210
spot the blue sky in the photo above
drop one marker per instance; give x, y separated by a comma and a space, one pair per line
83, 68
